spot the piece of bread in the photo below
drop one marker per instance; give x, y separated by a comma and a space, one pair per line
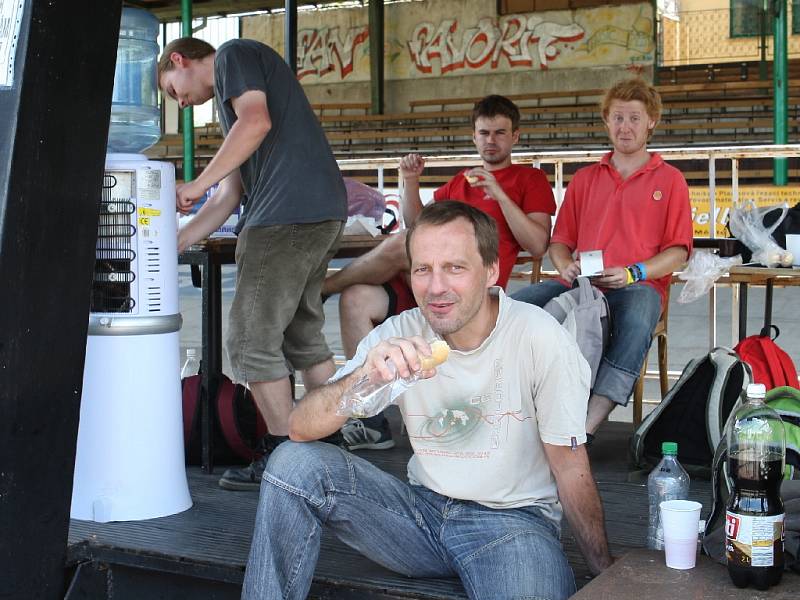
439, 353
472, 179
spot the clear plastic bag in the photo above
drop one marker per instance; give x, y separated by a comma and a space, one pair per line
703, 270
747, 224
370, 395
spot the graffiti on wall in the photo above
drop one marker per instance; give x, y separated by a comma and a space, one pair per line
521, 41
325, 50
436, 44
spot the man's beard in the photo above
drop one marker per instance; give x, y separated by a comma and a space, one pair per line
493, 159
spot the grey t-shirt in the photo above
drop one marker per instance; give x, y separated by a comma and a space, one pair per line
292, 177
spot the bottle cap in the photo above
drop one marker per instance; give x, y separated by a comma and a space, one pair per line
191, 352
756, 390
669, 448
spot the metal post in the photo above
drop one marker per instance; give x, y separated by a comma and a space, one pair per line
780, 72
656, 57
376, 56
762, 31
53, 138
188, 112
290, 34
712, 233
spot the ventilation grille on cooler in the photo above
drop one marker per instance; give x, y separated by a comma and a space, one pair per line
115, 251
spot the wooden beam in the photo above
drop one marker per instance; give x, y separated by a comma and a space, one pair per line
53, 138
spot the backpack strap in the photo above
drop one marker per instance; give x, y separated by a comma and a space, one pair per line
725, 360
190, 397
226, 414
585, 287
781, 367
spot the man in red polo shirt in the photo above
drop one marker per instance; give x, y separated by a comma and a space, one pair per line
518, 197
635, 208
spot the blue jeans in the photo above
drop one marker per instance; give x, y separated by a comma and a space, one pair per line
635, 310
498, 554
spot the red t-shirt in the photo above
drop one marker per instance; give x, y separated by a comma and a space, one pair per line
527, 187
630, 220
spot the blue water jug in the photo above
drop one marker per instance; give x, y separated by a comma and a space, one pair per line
135, 117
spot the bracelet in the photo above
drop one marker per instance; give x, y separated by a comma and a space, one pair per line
642, 271
629, 276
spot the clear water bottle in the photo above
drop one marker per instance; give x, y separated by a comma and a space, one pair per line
668, 481
135, 116
191, 365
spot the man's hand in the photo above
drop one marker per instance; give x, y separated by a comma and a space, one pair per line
570, 272
411, 166
403, 353
612, 278
481, 178
187, 195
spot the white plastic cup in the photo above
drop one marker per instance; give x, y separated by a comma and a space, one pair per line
793, 246
681, 521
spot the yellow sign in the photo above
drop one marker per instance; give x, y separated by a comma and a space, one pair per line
762, 195
144, 221
149, 212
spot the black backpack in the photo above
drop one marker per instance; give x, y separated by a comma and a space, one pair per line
694, 412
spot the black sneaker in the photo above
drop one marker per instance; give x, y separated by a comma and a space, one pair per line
249, 478
361, 435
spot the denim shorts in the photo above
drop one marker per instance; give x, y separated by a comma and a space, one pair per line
276, 317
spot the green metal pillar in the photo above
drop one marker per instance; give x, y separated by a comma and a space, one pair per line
188, 112
780, 73
762, 37
656, 57
376, 55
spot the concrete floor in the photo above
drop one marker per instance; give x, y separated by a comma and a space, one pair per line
688, 325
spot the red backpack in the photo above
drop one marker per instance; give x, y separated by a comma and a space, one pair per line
769, 362
237, 425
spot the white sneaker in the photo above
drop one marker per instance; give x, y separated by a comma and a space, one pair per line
358, 436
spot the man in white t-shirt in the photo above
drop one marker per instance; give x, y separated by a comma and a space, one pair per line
497, 432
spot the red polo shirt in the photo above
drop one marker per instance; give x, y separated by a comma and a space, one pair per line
630, 220
527, 187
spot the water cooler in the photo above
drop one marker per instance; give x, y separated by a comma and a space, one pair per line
129, 463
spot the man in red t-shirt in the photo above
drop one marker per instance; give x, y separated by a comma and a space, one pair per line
519, 198
635, 208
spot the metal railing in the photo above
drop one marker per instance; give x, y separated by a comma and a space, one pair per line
712, 155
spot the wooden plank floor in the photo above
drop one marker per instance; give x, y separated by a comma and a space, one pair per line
212, 539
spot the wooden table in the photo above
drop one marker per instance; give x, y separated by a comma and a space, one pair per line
643, 574
746, 276
206, 260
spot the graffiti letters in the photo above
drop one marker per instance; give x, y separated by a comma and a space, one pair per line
490, 43
323, 51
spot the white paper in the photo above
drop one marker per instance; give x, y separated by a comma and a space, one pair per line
360, 225
591, 263
10, 21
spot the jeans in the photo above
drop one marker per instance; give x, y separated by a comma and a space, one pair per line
635, 310
498, 554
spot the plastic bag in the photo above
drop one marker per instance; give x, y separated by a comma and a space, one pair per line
703, 270
747, 224
363, 200
369, 395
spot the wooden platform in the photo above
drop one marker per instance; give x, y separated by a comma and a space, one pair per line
203, 552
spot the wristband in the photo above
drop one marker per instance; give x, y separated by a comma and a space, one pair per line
642, 271
629, 276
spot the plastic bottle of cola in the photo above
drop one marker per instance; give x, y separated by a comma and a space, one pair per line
668, 481
755, 515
